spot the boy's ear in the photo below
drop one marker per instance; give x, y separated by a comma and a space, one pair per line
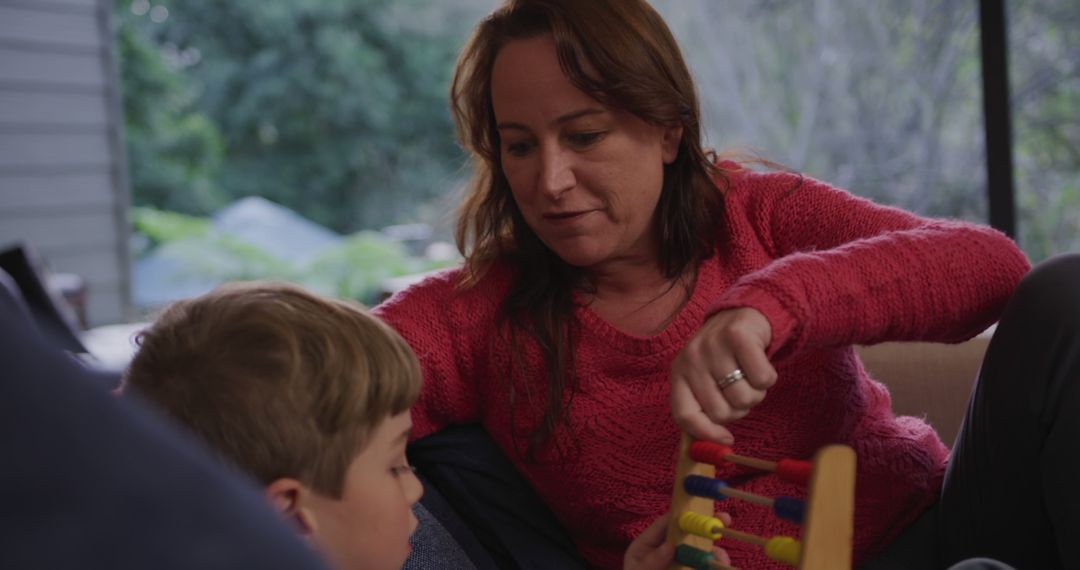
289, 497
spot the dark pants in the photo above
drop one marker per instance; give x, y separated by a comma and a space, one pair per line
473, 491
1012, 490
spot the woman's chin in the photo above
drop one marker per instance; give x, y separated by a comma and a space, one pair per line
579, 258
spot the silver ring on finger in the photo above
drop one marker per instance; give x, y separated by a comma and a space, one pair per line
731, 378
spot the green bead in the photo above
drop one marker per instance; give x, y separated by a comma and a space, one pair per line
689, 556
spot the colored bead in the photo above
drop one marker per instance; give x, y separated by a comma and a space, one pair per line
694, 558
708, 452
784, 549
794, 470
701, 486
700, 525
789, 508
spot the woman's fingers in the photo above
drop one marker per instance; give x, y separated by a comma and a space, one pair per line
656, 534
650, 550
722, 373
753, 361
689, 416
721, 556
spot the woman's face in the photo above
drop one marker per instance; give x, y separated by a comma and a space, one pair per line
587, 178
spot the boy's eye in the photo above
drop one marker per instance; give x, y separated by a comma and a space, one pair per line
399, 470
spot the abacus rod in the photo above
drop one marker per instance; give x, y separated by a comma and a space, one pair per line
754, 462
739, 535
748, 497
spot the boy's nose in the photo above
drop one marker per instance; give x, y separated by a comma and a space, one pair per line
414, 489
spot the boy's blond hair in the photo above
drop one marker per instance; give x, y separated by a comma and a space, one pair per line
282, 382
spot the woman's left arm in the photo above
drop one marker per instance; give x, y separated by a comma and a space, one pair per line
849, 271
844, 271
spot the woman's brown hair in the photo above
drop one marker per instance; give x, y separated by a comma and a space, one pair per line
622, 54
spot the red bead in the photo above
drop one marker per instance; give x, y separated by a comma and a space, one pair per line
794, 470
708, 452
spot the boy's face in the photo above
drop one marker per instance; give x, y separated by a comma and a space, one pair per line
370, 525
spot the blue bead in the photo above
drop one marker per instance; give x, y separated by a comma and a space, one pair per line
701, 486
789, 508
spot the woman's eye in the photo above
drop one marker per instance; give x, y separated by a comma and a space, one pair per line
585, 139
518, 148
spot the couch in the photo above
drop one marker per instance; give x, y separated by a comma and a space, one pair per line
928, 380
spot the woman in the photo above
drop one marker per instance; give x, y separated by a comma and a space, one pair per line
614, 272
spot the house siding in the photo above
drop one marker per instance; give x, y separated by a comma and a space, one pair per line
63, 175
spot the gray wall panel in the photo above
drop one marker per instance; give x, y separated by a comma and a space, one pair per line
34, 25
20, 66
50, 231
21, 151
63, 179
45, 108
28, 194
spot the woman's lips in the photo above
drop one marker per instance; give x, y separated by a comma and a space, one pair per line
565, 218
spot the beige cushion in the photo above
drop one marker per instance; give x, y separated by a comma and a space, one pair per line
928, 380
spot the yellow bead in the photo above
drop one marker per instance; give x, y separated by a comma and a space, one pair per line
784, 549
700, 525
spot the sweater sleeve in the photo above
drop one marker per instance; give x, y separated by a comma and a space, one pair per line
428, 317
848, 271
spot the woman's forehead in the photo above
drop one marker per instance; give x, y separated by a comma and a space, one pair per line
528, 80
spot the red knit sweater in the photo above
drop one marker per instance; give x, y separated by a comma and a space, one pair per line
827, 269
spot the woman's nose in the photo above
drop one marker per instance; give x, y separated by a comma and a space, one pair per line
556, 172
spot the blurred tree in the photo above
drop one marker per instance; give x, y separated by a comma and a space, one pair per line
878, 97
359, 266
334, 108
161, 227
884, 99
173, 149
1044, 65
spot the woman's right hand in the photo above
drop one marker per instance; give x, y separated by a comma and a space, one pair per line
701, 399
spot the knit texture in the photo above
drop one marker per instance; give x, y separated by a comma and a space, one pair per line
827, 269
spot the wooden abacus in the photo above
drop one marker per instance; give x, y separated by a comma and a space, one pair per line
826, 516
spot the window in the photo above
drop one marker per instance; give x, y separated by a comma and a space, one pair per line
880, 98
1044, 69
337, 111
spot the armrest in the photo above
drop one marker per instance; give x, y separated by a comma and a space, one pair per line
929, 380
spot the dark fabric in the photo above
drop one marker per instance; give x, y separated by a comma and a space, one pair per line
915, 548
50, 314
434, 547
92, 482
1012, 491
980, 564
491, 499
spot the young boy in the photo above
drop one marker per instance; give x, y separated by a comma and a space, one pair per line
309, 395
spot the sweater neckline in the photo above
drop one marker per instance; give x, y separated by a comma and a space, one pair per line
686, 322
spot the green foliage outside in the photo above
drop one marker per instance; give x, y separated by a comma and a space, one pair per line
357, 268
335, 272
1045, 74
174, 150
336, 109
162, 227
